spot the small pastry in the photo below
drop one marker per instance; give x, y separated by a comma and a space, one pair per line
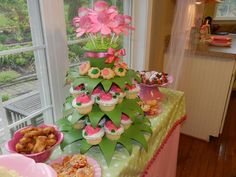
115, 90
122, 65
107, 101
84, 68
126, 121
83, 104
93, 135
119, 71
113, 132
132, 91
76, 91
107, 73
96, 92
94, 72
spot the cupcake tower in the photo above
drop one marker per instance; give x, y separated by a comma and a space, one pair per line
103, 105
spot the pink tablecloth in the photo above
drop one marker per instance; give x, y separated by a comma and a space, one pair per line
164, 162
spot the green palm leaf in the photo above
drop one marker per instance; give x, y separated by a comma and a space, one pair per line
64, 124
106, 85
95, 115
127, 143
70, 137
136, 135
84, 146
108, 148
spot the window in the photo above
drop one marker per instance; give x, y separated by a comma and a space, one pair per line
24, 83
226, 10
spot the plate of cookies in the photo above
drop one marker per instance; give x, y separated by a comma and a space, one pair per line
76, 165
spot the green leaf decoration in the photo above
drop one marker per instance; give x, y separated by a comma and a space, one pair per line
115, 116
79, 80
100, 63
142, 120
84, 146
75, 117
136, 135
106, 85
92, 83
95, 115
70, 137
126, 142
133, 74
143, 127
132, 114
108, 148
64, 125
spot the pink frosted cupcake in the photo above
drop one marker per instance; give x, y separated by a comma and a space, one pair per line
83, 103
115, 90
96, 92
132, 91
125, 121
107, 101
113, 132
76, 91
84, 68
93, 135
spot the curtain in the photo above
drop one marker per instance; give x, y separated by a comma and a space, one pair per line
187, 20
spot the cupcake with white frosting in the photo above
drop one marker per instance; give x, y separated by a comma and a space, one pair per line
76, 91
132, 91
96, 92
107, 101
83, 104
115, 90
93, 135
113, 132
126, 121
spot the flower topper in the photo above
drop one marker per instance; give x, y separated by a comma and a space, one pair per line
103, 20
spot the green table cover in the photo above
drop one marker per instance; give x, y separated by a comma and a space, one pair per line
125, 165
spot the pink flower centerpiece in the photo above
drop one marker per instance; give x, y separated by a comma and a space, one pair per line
102, 25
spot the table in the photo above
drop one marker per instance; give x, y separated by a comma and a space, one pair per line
163, 142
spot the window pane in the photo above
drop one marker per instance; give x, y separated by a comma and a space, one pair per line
19, 88
226, 9
14, 24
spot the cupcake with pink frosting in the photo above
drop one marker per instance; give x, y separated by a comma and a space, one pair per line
76, 91
115, 90
126, 121
83, 103
107, 101
93, 135
96, 92
113, 132
132, 91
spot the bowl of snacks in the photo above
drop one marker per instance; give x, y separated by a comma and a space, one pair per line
76, 165
18, 165
37, 143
